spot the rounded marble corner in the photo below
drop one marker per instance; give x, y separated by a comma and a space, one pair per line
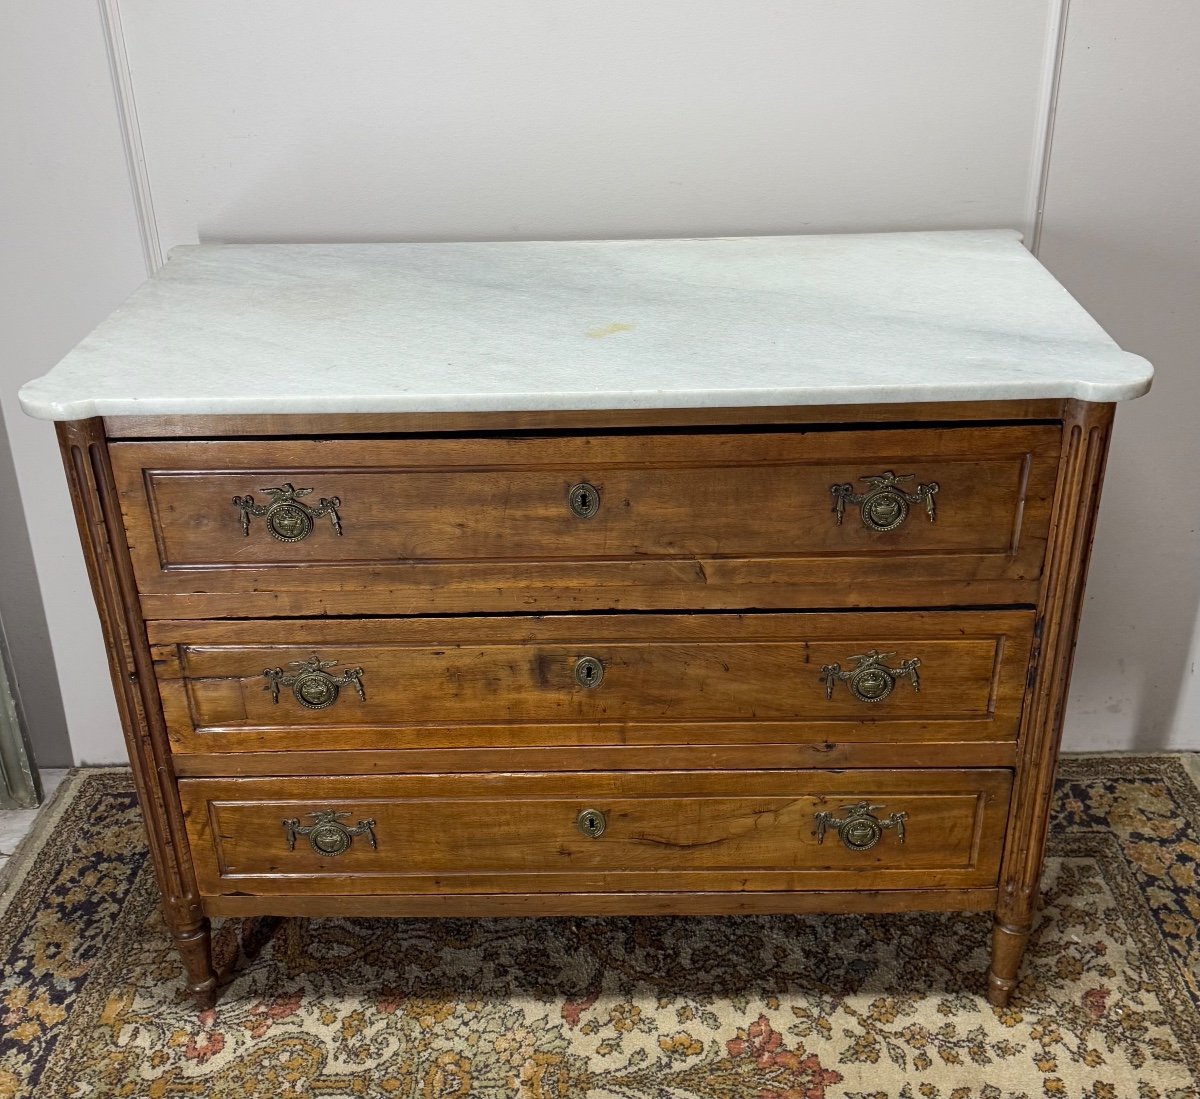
34, 405
1136, 382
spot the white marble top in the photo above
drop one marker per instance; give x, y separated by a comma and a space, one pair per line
946, 316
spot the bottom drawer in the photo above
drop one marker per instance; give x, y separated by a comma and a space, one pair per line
597, 832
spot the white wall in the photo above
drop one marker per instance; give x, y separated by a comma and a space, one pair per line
303, 119
70, 253
1122, 231
392, 119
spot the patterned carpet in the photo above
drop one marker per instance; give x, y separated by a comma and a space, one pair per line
840, 1007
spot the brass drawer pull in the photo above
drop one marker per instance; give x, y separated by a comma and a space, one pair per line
860, 831
884, 506
589, 672
583, 500
871, 680
288, 520
591, 822
313, 686
327, 835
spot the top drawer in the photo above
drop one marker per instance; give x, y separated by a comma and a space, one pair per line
412, 525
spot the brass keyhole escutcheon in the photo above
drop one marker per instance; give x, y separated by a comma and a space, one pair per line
589, 672
584, 500
591, 823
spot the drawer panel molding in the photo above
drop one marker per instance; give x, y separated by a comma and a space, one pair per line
747, 830
378, 684
629, 521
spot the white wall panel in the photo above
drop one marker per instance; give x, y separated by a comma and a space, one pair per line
1122, 231
70, 254
379, 119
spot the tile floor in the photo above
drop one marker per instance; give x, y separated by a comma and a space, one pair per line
14, 823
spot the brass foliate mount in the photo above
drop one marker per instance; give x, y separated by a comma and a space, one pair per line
860, 830
287, 518
871, 680
313, 686
327, 835
884, 506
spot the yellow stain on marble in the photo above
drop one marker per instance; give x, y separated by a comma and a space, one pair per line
608, 330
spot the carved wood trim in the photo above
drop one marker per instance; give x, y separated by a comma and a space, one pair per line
1086, 431
94, 498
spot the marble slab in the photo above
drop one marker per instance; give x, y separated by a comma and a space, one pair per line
278, 328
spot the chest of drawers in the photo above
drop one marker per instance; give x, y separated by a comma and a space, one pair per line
681, 657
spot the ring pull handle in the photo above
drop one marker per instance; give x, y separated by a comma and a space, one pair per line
871, 680
584, 500
327, 835
884, 506
313, 686
860, 830
288, 519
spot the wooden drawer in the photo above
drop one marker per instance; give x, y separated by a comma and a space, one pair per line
484, 524
748, 830
659, 679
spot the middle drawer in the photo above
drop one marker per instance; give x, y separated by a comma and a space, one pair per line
313, 685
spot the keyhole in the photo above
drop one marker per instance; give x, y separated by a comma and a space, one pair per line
589, 672
591, 823
584, 500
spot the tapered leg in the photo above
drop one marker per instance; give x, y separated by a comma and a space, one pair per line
195, 947
1008, 948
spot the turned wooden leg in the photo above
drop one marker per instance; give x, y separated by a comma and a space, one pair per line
1008, 948
195, 947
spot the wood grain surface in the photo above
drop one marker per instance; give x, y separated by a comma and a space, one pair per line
406, 423
478, 525
667, 679
694, 903
706, 831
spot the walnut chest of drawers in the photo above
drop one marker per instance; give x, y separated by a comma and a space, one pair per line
766, 646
